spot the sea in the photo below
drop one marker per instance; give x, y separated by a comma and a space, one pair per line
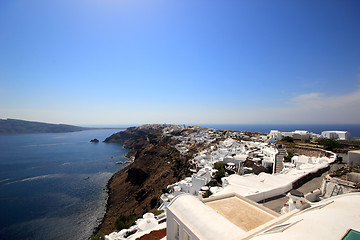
52, 185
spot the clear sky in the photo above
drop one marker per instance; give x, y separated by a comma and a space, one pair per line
180, 61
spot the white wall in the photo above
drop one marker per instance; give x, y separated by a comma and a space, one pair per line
228, 159
267, 162
185, 187
171, 222
197, 183
339, 135
256, 197
354, 158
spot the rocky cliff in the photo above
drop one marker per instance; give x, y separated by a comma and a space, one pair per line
136, 189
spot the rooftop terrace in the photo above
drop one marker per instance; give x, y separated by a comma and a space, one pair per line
242, 212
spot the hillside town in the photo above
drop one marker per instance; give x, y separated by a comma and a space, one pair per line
233, 176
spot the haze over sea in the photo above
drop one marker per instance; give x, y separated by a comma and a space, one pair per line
52, 184
354, 129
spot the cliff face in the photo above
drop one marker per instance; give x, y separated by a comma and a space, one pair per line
136, 189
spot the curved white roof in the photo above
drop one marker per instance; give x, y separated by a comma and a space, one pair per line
202, 220
322, 221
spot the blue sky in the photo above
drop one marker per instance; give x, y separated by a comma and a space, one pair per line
131, 62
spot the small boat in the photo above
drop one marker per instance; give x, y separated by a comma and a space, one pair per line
87, 178
119, 162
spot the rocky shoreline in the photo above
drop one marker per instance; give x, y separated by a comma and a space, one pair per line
107, 190
100, 222
135, 189
96, 229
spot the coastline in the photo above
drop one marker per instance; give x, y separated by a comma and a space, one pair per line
107, 197
135, 189
99, 223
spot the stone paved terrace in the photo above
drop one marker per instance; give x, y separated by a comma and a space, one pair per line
242, 212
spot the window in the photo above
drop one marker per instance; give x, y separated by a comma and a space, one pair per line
186, 236
177, 230
280, 228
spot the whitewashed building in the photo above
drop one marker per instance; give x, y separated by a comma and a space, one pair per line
234, 217
297, 135
338, 135
224, 217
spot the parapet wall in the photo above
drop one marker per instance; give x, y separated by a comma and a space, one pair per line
309, 176
308, 151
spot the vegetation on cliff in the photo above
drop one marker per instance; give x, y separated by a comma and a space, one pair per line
135, 189
221, 171
329, 143
124, 222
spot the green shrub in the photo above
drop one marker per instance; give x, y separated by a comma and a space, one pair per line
98, 236
157, 212
219, 165
330, 143
219, 174
212, 183
124, 222
289, 155
221, 171
288, 139
249, 171
207, 194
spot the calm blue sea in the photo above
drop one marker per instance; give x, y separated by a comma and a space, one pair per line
354, 129
52, 185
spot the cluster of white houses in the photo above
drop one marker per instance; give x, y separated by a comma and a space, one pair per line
233, 154
306, 135
232, 211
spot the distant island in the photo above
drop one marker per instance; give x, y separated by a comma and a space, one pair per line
14, 126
